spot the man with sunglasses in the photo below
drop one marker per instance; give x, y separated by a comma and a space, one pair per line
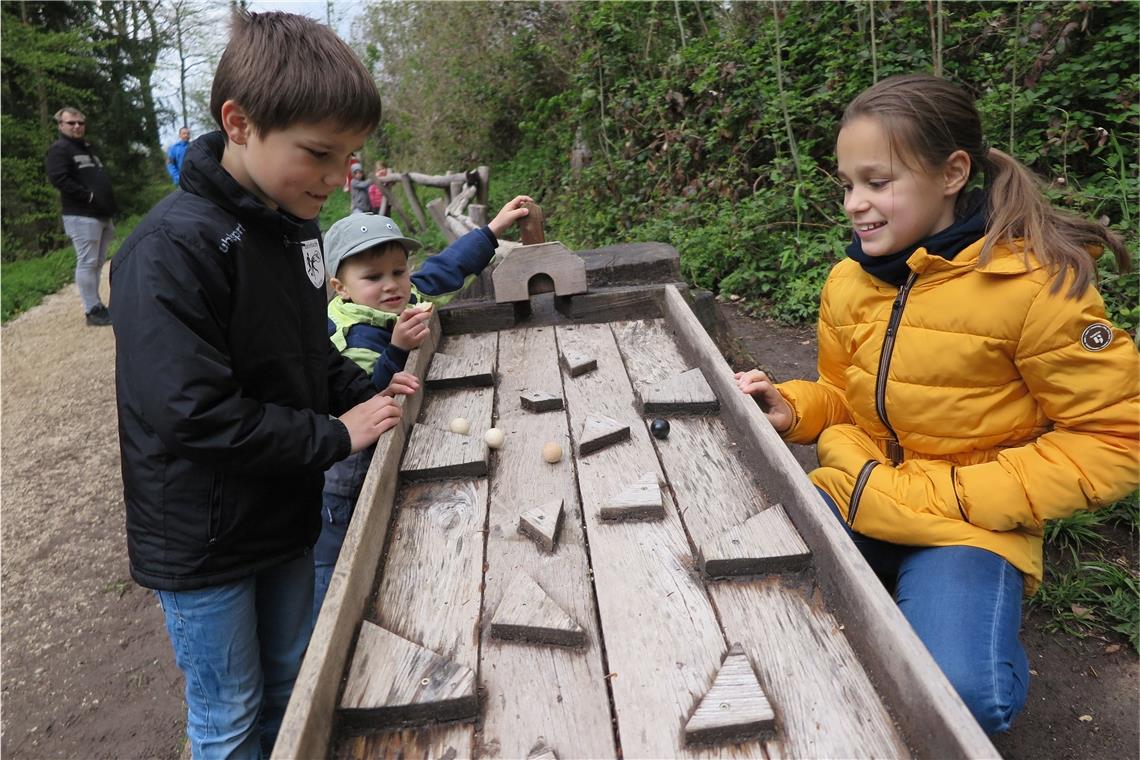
88, 205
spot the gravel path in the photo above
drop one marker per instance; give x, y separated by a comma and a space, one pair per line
87, 668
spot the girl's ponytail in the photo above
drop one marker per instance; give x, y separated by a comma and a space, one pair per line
1061, 240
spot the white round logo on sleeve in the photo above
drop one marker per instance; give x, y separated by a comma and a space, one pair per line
1096, 336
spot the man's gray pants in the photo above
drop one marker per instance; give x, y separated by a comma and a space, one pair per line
91, 238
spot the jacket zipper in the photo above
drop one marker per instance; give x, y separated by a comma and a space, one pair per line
857, 492
894, 448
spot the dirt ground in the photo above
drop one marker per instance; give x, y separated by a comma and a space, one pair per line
87, 670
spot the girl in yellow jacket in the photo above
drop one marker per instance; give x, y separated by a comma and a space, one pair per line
970, 385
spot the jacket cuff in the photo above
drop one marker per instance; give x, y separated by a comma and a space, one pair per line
344, 440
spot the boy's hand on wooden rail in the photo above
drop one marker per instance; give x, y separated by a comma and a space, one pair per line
402, 384
412, 327
759, 386
369, 420
509, 213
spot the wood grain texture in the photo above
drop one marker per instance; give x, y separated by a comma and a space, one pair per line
640, 500
608, 304
307, 726
686, 393
576, 363
598, 432
564, 701
393, 681
631, 264
540, 401
925, 705
531, 227
527, 613
543, 523
663, 643
541, 752
512, 278
764, 543
434, 454
470, 370
462, 316
735, 708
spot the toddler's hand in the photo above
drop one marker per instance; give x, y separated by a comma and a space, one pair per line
411, 329
403, 384
368, 420
509, 213
757, 384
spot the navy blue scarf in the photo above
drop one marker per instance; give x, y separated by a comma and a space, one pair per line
948, 243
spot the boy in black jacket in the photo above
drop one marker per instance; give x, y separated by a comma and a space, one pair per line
232, 401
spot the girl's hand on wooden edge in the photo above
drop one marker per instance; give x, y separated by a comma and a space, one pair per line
402, 384
511, 212
759, 386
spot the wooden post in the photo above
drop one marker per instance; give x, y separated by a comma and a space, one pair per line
436, 208
484, 173
394, 207
413, 200
478, 214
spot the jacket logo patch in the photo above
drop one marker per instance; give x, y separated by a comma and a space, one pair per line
314, 262
1096, 336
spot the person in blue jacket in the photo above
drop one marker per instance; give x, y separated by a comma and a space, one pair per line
176, 153
377, 317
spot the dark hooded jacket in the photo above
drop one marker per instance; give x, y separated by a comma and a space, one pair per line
78, 174
226, 381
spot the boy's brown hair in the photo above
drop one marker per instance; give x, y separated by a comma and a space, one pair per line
285, 69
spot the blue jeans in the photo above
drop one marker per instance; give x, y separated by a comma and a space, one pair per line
336, 512
239, 646
965, 605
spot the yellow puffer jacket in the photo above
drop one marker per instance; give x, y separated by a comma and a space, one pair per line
970, 405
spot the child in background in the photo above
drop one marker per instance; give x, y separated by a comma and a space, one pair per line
231, 401
361, 203
970, 385
375, 197
370, 321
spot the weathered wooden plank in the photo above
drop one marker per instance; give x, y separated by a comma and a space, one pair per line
827, 704
434, 454
926, 706
306, 729
663, 644
460, 317
531, 226
631, 264
640, 500
543, 523
598, 432
735, 708
527, 613
393, 681
425, 743
564, 702
608, 304
437, 545
764, 543
473, 370
686, 393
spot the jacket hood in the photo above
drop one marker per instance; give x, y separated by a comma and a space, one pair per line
203, 175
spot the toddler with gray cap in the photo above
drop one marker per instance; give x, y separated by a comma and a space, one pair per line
380, 313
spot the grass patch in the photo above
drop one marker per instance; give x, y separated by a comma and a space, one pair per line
26, 282
1091, 582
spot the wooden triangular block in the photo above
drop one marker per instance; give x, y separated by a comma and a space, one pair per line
638, 501
687, 393
448, 371
528, 614
393, 681
599, 432
541, 752
542, 524
432, 453
577, 363
764, 543
540, 401
735, 708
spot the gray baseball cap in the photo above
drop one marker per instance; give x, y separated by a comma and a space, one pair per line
359, 232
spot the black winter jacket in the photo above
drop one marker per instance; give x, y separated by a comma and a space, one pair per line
84, 187
226, 381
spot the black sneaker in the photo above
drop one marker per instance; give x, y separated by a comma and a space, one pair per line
100, 316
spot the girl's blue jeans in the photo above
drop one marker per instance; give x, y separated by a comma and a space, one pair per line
965, 605
239, 646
